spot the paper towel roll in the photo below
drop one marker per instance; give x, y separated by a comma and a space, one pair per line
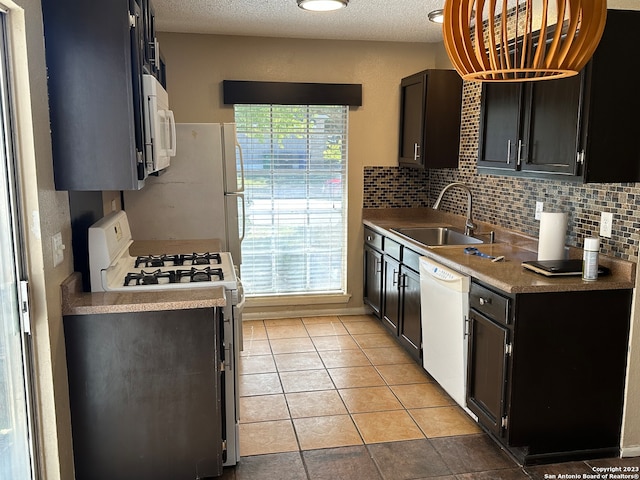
553, 230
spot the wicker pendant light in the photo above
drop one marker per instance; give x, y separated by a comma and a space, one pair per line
497, 40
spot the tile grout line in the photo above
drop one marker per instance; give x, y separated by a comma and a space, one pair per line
333, 382
326, 368
386, 383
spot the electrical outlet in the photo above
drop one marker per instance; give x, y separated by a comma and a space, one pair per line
539, 209
58, 249
606, 222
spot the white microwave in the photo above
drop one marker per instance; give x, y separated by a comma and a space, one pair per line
159, 126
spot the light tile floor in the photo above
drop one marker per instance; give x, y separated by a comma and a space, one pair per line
324, 382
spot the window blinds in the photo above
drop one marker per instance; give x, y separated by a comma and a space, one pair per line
295, 191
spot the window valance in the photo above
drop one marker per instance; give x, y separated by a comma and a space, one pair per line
291, 93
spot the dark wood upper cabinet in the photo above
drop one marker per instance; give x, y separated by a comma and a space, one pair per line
579, 128
550, 135
430, 107
500, 125
611, 104
95, 55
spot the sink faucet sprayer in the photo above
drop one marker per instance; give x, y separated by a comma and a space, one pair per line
469, 226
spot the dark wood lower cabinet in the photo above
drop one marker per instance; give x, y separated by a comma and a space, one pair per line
547, 379
487, 373
410, 325
391, 294
373, 279
146, 391
392, 289
546, 371
401, 304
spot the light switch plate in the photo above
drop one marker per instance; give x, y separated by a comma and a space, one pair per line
58, 249
606, 222
539, 209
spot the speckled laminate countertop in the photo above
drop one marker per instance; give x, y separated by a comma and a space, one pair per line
77, 302
508, 275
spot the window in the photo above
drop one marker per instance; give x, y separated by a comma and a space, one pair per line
295, 192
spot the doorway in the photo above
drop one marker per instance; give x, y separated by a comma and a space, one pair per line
16, 448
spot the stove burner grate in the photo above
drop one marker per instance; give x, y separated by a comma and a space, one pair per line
200, 259
205, 274
154, 261
149, 278
157, 260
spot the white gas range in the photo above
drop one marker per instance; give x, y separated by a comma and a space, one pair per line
112, 268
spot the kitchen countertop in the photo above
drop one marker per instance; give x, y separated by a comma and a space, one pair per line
507, 275
77, 302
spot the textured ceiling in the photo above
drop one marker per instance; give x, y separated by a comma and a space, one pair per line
383, 20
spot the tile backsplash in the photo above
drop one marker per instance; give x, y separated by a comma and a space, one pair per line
395, 187
509, 201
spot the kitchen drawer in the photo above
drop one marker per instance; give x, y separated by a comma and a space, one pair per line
392, 248
411, 259
373, 238
490, 303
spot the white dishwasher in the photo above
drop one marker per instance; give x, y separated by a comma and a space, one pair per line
444, 300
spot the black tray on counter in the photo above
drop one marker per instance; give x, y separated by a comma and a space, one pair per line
556, 268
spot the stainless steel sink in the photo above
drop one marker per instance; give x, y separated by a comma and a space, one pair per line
434, 236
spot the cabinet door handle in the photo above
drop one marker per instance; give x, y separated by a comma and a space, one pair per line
155, 58
484, 301
378, 266
416, 151
467, 327
520, 145
581, 157
508, 152
396, 277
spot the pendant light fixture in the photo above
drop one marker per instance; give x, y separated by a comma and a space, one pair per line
521, 40
322, 5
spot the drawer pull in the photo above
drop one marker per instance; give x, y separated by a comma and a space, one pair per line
485, 301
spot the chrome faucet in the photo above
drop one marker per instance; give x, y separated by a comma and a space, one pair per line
469, 226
